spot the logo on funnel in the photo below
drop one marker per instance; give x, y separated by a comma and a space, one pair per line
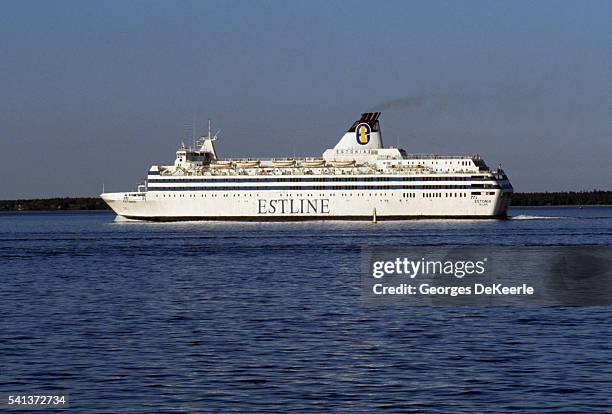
362, 133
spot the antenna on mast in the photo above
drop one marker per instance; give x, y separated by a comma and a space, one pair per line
193, 131
210, 136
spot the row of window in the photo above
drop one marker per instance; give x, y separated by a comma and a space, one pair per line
405, 195
440, 195
464, 163
447, 195
312, 179
316, 188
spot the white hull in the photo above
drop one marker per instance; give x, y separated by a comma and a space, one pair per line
304, 205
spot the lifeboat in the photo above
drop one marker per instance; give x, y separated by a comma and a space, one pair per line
283, 163
220, 165
341, 164
313, 163
247, 163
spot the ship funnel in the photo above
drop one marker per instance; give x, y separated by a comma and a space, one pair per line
363, 134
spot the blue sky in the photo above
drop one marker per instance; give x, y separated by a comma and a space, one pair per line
95, 92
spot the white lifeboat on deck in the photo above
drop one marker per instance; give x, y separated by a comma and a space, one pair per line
283, 163
313, 163
342, 164
220, 164
248, 163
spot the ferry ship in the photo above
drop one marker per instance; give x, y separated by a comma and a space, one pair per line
357, 179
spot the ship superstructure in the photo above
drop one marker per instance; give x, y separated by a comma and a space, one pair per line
358, 179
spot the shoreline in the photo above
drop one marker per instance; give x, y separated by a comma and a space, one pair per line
112, 212
567, 199
57, 211
564, 206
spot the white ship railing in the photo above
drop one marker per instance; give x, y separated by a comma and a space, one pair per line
378, 157
356, 170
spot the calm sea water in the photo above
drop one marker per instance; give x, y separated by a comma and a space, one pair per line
222, 317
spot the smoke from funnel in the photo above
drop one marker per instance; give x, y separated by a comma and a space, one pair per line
401, 103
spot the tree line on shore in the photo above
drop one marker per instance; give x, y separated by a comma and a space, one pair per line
562, 198
54, 204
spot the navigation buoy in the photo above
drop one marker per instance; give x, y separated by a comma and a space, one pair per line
374, 216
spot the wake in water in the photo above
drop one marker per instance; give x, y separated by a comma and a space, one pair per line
528, 217
121, 219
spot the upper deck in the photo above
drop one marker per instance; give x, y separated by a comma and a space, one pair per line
359, 152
